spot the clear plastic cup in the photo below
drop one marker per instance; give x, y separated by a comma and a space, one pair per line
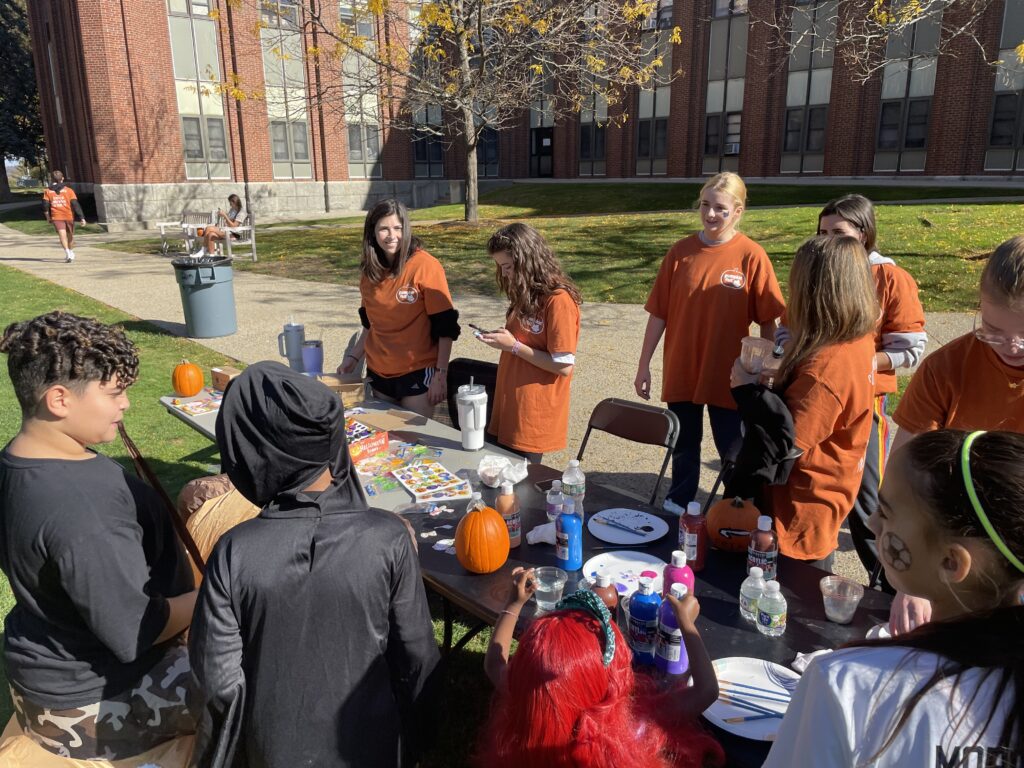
754, 352
841, 596
550, 583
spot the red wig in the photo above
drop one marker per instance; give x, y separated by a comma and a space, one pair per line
562, 707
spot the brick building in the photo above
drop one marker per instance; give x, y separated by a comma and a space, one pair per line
133, 108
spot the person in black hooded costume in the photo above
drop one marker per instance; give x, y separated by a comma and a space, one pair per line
312, 642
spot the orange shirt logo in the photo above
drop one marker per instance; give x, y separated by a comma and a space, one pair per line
733, 278
532, 325
407, 294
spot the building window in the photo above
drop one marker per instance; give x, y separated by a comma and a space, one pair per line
653, 104
284, 72
200, 102
487, 153
362, 114
808, 87
1006, 127
908, 83
593, 122
542, 133
727, 67
427, 143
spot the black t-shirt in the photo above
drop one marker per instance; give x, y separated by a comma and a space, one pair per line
91, 557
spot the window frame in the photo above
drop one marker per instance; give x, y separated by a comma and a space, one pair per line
283, 17
714, 162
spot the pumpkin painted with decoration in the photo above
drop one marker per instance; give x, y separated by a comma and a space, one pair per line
187, 379
481, 541
730, 523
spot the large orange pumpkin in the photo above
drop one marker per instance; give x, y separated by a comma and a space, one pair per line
481, 541
730, 523
187, 379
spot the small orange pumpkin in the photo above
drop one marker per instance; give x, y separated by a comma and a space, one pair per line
730, 523
481, 541
187, 379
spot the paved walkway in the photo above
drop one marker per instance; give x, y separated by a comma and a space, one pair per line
610, 340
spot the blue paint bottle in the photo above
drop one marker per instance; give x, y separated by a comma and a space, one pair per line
569, 538
670, 655
643, 621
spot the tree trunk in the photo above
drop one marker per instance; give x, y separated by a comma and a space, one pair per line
472, 186
5, 185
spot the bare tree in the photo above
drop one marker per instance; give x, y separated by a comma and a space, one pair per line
456, 70
869, 34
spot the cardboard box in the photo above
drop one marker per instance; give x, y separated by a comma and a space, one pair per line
222, 375
351, 393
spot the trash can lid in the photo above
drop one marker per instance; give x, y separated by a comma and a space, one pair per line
187, 262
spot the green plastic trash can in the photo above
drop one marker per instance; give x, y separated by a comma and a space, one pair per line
207, 296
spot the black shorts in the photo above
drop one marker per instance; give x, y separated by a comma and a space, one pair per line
407, 385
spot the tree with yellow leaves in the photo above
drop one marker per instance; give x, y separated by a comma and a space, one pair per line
457, 70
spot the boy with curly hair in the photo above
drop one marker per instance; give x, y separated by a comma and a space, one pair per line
102, 587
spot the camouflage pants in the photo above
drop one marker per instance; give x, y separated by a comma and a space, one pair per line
152, 711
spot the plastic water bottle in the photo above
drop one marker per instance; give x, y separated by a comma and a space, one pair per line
574, 484
763, 550
670, 653
750, 592
693, 536
569, 539
771, 611
643, 621
554, 501
677, 572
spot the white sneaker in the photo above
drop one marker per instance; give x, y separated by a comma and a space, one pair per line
69, 256
673, 508
199, 254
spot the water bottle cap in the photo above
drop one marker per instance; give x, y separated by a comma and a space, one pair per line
574, 462
679, 558
693, 508
476, 496
772, 586
678, 591
604, 580
556, 485
756, 573
645, 585
764, 523
506, 488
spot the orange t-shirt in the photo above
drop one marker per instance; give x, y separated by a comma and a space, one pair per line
531, 405
398, 309
901, 313
830, 397
60, 203
708, 296
963, 385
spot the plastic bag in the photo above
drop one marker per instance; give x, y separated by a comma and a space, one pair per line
495, 470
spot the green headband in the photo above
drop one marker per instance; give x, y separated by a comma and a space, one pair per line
588, 602
965, 468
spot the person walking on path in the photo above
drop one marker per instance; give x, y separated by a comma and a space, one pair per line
61, 206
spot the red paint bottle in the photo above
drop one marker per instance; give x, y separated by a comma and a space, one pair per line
694, 536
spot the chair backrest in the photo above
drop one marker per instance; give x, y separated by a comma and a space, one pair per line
196, 217
460, 371
638, 423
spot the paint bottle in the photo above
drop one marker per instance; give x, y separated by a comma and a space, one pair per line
569, 539
643, 621
554, 501
604, 589
763, 550
677, 572
508, 507
693, 536
670, 654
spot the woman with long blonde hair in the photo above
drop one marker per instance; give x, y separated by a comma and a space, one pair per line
827, 381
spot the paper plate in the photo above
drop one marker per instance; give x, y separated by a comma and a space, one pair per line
634, 518
762, 674
625, 567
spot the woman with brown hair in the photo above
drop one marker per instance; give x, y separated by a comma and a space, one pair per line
827, 382
537, 344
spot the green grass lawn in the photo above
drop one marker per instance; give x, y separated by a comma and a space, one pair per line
30, 220
178, 454
614, 258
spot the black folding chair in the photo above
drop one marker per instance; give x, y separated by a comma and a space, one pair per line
639, 423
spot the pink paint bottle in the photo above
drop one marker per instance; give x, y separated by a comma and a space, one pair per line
677, 572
